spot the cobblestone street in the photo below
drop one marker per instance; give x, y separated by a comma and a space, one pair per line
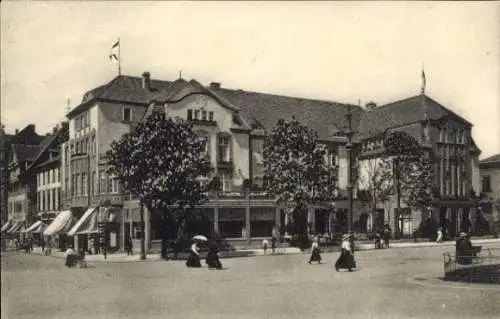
35, 286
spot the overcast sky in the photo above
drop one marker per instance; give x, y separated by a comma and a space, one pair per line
51, 51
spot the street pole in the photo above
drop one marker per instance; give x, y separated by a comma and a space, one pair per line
349, 146
143, 248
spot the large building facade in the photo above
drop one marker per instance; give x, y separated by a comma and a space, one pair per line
490, 191
446, 139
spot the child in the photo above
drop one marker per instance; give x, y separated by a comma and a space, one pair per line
265, 245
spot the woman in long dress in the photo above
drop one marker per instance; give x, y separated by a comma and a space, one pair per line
213, 257
194, 257
70, 257
315, 252
346, 259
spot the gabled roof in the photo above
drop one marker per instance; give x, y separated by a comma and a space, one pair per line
263, 110
492, 159
123, 88
402, 112
25, 153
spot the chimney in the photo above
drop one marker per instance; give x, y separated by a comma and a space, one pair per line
371, 105
146, 81
17, 131
215, 85
54, 129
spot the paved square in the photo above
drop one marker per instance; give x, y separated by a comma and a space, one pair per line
257, 287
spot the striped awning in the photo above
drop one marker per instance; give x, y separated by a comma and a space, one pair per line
61, 224
37, 227
83, 221
6, 226
91, 226
15, 227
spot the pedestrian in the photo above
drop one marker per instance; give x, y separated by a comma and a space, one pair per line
212, 259
265, 245
193, 260
387, 235
273, 244
464, 251
439, 235
70, 257
315, 252
129, 246
346, 258
42, 245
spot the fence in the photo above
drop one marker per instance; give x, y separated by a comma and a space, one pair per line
482, 265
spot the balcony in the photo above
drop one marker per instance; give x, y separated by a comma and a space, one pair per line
112, 199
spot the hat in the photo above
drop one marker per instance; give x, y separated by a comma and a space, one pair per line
462, 234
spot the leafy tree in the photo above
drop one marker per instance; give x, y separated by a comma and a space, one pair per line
160, 160
413, 170
295, 170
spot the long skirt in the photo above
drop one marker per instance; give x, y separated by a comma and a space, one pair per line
213, 261
70, 261
345, 261
315, 255
193, 261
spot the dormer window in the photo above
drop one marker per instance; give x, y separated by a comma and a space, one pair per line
189, 115
196, 114
203, 115
127, 114
210, 116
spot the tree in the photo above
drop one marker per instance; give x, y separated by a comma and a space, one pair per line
295, 170
160, 160
413, 172
375, 181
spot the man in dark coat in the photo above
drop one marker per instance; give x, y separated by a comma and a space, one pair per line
464, 251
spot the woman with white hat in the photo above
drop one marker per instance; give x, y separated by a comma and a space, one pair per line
346, 258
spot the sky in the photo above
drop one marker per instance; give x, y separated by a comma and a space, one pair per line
338, 51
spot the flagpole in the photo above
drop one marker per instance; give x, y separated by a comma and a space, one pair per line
119, 58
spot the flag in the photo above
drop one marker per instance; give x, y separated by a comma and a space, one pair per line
114, 54
423, 81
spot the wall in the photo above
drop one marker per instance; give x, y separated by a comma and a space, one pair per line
475, 175
223, 117
494, 195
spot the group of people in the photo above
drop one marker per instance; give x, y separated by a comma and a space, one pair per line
345, 260
73, 259
212, 259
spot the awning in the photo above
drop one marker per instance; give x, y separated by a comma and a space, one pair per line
37, 227
91, 226
60, 224
6, 226
16, 227
83, 221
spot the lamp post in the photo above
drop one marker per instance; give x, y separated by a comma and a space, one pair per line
141, 213
349, 147
246, 186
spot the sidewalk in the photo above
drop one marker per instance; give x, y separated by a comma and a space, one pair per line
118, 258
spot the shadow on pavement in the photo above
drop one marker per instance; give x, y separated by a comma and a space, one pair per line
487, 274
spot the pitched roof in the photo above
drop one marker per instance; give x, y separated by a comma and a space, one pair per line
25, 153
123, 88
492, 159
264, 110
402, 112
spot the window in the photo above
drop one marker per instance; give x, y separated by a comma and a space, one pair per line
115, 187
41, 178
109, 185
196, 114
93, 145
53, 175
206, 143
486, 184
224, 148
203, 115
54, 204
189, 115
66, 187
127, 114
102, 182
78, 185
58, 175
210, 116
38, 198
84, 184
226, 181
93, 189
